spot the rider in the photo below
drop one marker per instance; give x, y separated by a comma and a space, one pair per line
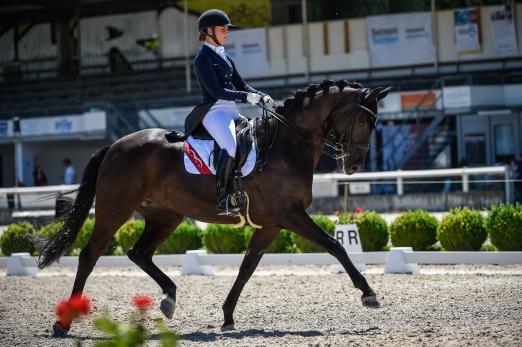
221, 86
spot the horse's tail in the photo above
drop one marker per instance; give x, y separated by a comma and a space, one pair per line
53, 248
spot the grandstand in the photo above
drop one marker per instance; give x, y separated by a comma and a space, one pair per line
130, 62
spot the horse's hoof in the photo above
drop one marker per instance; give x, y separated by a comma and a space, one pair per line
167, 306
370, 301
59, 331
228, 327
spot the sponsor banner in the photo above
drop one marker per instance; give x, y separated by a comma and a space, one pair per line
400, 39
456, 97
503, 29
423, 100
248, 50
56, 126
467, 31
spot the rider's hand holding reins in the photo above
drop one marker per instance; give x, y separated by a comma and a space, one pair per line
257, 99
268, 102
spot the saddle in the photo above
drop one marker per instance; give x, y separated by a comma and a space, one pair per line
263, 132
258, 134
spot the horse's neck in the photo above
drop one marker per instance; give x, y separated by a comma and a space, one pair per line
299, 147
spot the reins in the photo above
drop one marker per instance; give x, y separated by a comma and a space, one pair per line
339, 152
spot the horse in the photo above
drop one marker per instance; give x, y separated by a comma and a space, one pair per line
143, 172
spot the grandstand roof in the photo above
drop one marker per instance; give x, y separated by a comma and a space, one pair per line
35, 11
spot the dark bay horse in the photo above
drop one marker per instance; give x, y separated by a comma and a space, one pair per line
144, 172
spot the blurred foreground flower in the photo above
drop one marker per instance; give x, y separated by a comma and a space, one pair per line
134, 333
76, 306
143, 302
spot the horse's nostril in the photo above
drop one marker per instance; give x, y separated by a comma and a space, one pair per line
354, 168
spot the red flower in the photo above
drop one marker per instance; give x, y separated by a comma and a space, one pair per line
69, 310
80, 304
63, 313
143, 302
358, 210
337, 212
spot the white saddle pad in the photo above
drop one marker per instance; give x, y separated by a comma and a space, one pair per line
198, 157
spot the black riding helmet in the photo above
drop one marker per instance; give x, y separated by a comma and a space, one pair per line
211, 19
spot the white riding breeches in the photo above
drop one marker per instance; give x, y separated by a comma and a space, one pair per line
219, 122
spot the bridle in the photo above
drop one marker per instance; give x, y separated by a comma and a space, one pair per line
337, 145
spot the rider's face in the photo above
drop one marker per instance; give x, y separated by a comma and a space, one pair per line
221, 34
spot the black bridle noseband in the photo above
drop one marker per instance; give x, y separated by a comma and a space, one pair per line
336, 144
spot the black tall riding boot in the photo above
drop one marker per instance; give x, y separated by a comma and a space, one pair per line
224, 168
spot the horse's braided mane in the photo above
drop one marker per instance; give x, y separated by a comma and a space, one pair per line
297, 102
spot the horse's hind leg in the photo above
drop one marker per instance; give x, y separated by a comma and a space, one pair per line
301, 223
156, 231
105, 227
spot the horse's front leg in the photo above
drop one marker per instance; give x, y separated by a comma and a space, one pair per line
260, 241
302, 224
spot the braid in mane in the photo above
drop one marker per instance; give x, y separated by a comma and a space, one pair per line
296, 103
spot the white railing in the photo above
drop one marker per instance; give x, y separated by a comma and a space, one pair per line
324, 184
329, 181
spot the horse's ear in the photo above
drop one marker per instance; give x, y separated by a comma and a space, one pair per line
372, 94
383, 92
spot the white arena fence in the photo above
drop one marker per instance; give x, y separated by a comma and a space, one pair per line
325, 185
198, 262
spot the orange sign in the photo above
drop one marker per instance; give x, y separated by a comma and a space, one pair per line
418, 100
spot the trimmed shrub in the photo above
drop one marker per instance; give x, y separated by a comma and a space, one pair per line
373, 231
15, 240
416, 229
462, 230
306, 246
50, 229
85, 234
187, 236
129, 233
224, 238
283, 243
504, 225
488, 248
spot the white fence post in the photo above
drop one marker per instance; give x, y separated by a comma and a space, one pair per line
21, 264
192, 266
396, 262
465, 183
400, 186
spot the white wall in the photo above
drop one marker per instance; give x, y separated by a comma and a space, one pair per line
7, 52
94, 43
171, 33
37, 44
285, 43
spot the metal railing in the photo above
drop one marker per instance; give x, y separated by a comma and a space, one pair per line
34, 196
399, 177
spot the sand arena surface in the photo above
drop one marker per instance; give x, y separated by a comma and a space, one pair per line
290, 305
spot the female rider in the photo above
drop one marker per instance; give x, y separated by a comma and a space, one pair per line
221, 86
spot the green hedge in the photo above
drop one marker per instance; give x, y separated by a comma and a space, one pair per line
187, 236
129, 233
505, 227
223, 238
373, 231
416, 229
85, 234
15, 239
462, 230
283, 243
306, 246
